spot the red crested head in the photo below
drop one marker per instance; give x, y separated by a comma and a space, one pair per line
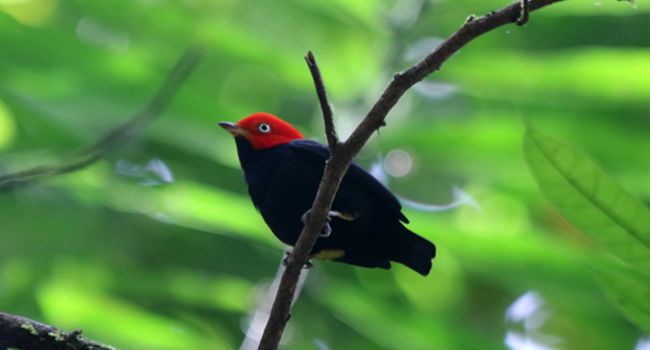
263, 130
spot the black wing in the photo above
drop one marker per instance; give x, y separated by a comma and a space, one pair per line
317, 152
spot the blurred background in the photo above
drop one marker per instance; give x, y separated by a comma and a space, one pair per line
157, 246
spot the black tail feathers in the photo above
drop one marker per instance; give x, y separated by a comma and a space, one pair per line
413, 251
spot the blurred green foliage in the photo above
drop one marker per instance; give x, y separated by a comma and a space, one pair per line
595, 203
141, 261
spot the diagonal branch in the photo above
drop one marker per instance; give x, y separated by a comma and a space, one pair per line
23, 333
340, 161
330, 129
401, 82
116, 137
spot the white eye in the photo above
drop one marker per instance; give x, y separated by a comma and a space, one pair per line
265, 128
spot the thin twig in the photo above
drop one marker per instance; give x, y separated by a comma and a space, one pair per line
330, 129
117, 136
339, 162
430, 63
23, 333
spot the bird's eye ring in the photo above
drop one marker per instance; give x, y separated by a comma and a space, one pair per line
264, 128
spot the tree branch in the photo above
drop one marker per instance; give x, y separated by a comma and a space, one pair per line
23, 333
117, 136
340, 161
330, 129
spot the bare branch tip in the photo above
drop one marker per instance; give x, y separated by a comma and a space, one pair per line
309, 58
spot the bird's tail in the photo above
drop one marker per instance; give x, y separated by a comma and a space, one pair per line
413, 251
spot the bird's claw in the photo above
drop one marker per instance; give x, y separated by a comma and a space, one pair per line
304, 216
308, 265
327, 229
285, 260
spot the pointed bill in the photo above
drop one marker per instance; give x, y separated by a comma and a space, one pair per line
232, 128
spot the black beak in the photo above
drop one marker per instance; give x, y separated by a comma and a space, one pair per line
232, 128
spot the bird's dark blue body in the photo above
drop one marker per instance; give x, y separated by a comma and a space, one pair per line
282, 182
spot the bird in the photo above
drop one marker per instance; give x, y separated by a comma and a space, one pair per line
283, 170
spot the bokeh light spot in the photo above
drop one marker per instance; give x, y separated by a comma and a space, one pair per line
398, 163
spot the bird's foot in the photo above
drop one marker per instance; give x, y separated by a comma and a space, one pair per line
327, 230
308, 265
285, 260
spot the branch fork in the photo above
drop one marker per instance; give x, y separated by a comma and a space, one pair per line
341, 154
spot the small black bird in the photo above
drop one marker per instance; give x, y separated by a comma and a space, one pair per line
283, 172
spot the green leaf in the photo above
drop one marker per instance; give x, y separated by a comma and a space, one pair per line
589, 199
631, 296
